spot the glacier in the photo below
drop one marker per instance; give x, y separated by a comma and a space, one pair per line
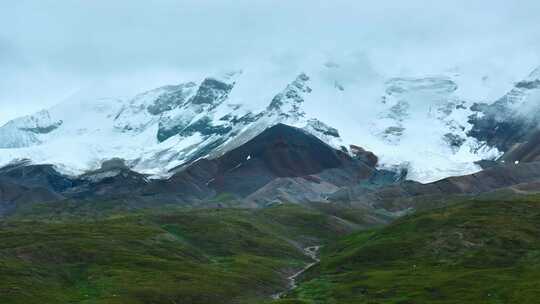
419, 124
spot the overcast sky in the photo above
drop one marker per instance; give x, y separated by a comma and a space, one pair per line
50, 50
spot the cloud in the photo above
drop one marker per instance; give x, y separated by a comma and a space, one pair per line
50, 49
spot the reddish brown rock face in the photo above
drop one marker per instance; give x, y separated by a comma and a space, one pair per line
367, 156
279, 152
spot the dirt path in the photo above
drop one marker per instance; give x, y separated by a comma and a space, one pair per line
311, 252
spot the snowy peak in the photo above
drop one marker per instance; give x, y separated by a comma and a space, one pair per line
171, 98
410, 99
146, 108
511, 118
173, 110
24, 131
421, 124
288, 103
191, 116
209, 124
211, 92
71, 118
41, 123
531, 82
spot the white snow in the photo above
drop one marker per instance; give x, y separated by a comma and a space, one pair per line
403, 120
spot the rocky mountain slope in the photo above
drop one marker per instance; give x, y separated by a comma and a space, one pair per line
280, 159
408, 196
512, 123
283, 164
509, 120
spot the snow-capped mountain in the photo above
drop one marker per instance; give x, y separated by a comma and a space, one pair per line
426, 122
155, 131
510, 119
419, 124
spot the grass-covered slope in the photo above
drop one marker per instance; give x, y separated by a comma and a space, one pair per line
182, 256
479, 251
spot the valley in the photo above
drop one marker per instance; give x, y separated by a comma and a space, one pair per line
211, 255
476, 249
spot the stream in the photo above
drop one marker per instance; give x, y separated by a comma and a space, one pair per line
310, 252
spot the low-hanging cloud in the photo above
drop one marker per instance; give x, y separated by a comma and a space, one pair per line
50, 49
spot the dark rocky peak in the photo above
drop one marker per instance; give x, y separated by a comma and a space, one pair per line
211, 92
280, 151
286, 151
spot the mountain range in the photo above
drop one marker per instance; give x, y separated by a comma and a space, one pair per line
158, 131
191, 143
183, 195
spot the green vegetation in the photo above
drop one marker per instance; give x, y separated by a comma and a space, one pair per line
471, 250
477, 251
178, 256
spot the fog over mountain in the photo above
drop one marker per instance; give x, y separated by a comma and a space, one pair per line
188, 79
51, 50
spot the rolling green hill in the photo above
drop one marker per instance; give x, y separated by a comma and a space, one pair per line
473, 250
477, 251
173, 256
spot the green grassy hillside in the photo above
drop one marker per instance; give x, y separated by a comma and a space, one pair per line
477, 251
181, 256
